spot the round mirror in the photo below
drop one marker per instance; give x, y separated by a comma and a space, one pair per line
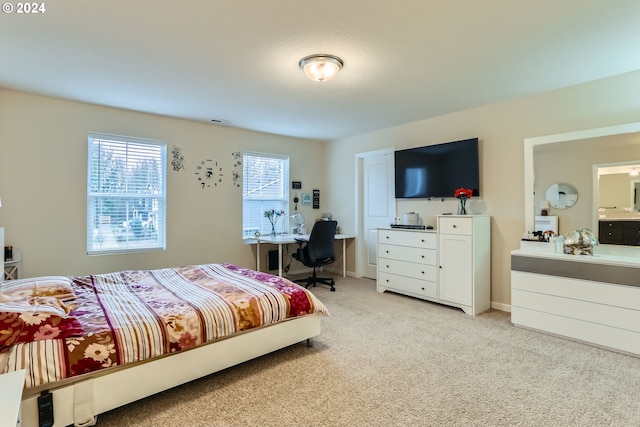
561, 195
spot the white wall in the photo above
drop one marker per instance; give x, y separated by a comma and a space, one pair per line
43, 169
43, 173
502, 128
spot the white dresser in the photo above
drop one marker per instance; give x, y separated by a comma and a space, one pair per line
407, 262
449, 266
595, 299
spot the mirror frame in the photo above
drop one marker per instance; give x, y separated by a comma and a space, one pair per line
530, 143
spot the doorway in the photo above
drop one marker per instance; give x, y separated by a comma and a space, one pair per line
375, 207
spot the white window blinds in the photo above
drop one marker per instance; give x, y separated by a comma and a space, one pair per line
264, 179
126, 194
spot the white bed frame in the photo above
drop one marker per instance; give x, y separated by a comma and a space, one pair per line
80, 402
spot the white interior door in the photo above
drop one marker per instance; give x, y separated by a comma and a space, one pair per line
378, 203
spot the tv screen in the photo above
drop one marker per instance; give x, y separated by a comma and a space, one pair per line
437, 170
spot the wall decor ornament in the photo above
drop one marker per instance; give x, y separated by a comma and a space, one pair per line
237, 168
177, 163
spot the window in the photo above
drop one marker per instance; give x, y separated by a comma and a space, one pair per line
126, 194
264, 187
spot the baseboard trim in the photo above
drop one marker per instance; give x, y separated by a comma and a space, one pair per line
501, 306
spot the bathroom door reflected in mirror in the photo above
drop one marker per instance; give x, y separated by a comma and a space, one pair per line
618, 190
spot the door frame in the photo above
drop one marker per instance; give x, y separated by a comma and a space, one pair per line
361, 247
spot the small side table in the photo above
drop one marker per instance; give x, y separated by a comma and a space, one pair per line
11, 386
13, 267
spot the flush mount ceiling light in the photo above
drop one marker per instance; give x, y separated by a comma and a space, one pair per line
633, 172
321, 68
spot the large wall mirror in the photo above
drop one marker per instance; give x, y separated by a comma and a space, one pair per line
585, 160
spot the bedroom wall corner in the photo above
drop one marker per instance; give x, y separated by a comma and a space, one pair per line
43, 156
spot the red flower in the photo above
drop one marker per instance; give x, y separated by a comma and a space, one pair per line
463, 193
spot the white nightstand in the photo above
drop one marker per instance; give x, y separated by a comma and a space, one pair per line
11, 386
13, 267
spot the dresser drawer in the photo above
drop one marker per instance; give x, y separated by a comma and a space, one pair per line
406, 253
408, 285
455, 225
408, 238
408, 269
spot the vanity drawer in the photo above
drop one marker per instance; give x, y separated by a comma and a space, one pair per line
610, 236
406, 253
408, 238
455, 225
610, 225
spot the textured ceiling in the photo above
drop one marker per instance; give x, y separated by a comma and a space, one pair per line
237, 60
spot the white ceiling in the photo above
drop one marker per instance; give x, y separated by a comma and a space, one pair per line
237, 60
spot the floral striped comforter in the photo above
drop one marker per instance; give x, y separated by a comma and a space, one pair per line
137, 315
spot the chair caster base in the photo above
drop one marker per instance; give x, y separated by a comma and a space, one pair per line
313, 282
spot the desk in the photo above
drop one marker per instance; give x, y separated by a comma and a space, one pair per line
286, 239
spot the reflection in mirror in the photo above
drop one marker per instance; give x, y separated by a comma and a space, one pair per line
571, 157
561, 195
618, 190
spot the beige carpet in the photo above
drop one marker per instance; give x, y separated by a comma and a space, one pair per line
390, 360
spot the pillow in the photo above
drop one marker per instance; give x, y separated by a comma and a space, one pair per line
36, 318
46, 286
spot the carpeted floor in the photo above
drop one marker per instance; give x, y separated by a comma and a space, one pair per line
390, 360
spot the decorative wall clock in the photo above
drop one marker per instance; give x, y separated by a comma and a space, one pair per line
208, 174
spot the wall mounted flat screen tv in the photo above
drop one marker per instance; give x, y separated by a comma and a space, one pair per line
437, 170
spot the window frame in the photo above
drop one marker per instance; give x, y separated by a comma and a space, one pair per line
127, 236
257, 221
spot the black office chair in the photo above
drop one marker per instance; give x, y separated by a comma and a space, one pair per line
318, 251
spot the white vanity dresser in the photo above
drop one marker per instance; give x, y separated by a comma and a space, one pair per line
595, 299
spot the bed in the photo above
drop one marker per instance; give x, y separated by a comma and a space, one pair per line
97, 342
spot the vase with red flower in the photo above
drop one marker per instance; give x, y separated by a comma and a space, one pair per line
463, 194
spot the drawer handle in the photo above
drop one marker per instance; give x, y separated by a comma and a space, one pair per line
387, 237
387, 280
423, 272
422, 256
439, 266
387, 251
422, 289
422, 240
455, 226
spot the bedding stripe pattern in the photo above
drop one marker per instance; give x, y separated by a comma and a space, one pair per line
137, 315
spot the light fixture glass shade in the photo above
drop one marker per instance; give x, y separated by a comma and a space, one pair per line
634, 172
321, 68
